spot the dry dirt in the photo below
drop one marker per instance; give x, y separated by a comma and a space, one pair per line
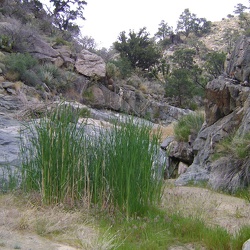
28, 227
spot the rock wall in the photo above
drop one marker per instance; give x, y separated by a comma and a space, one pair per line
227, 109
126, 99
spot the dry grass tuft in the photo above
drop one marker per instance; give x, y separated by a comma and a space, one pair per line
165, 131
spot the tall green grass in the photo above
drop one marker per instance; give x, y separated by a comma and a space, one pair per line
53, 157
130, 151
112, 168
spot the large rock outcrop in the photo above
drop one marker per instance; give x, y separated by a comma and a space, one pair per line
238, 66
26, 41
128, 100
227, 109
23, 39
90, 64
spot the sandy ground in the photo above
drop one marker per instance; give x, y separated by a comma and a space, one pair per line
18, 222
10, 240
216, 209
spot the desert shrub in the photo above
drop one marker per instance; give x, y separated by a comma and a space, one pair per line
187, 125
112, 70
54, 77
236, 145
6, 43
231, 161
51, 69
61, 41
19, 64
30, 78
135, 81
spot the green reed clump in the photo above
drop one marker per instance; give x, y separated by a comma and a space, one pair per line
112, 168
129, 156
53, 156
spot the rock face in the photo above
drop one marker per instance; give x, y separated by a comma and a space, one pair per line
239, 63
227, 108
26, 41
9, 148
90, 64
126, 99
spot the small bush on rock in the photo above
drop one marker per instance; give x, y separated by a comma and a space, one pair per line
187, 125
234, 145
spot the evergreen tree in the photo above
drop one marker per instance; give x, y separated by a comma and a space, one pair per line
138, 49
67, 11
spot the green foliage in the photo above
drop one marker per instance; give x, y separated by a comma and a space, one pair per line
88, 43
201, 26
84, 112
20, 64
112, 169
124, 66
215, 63
138, 49
53, 77
240, 9
179, 85
88, 95
187, 125
111, 70
61, 41
189, 23
26, 68
240, 237
31, 78
164, 30
186, 78
9, 179
184, 58
6, 43
243, 193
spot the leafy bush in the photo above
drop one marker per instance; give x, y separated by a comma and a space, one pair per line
113, 168
187, 125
